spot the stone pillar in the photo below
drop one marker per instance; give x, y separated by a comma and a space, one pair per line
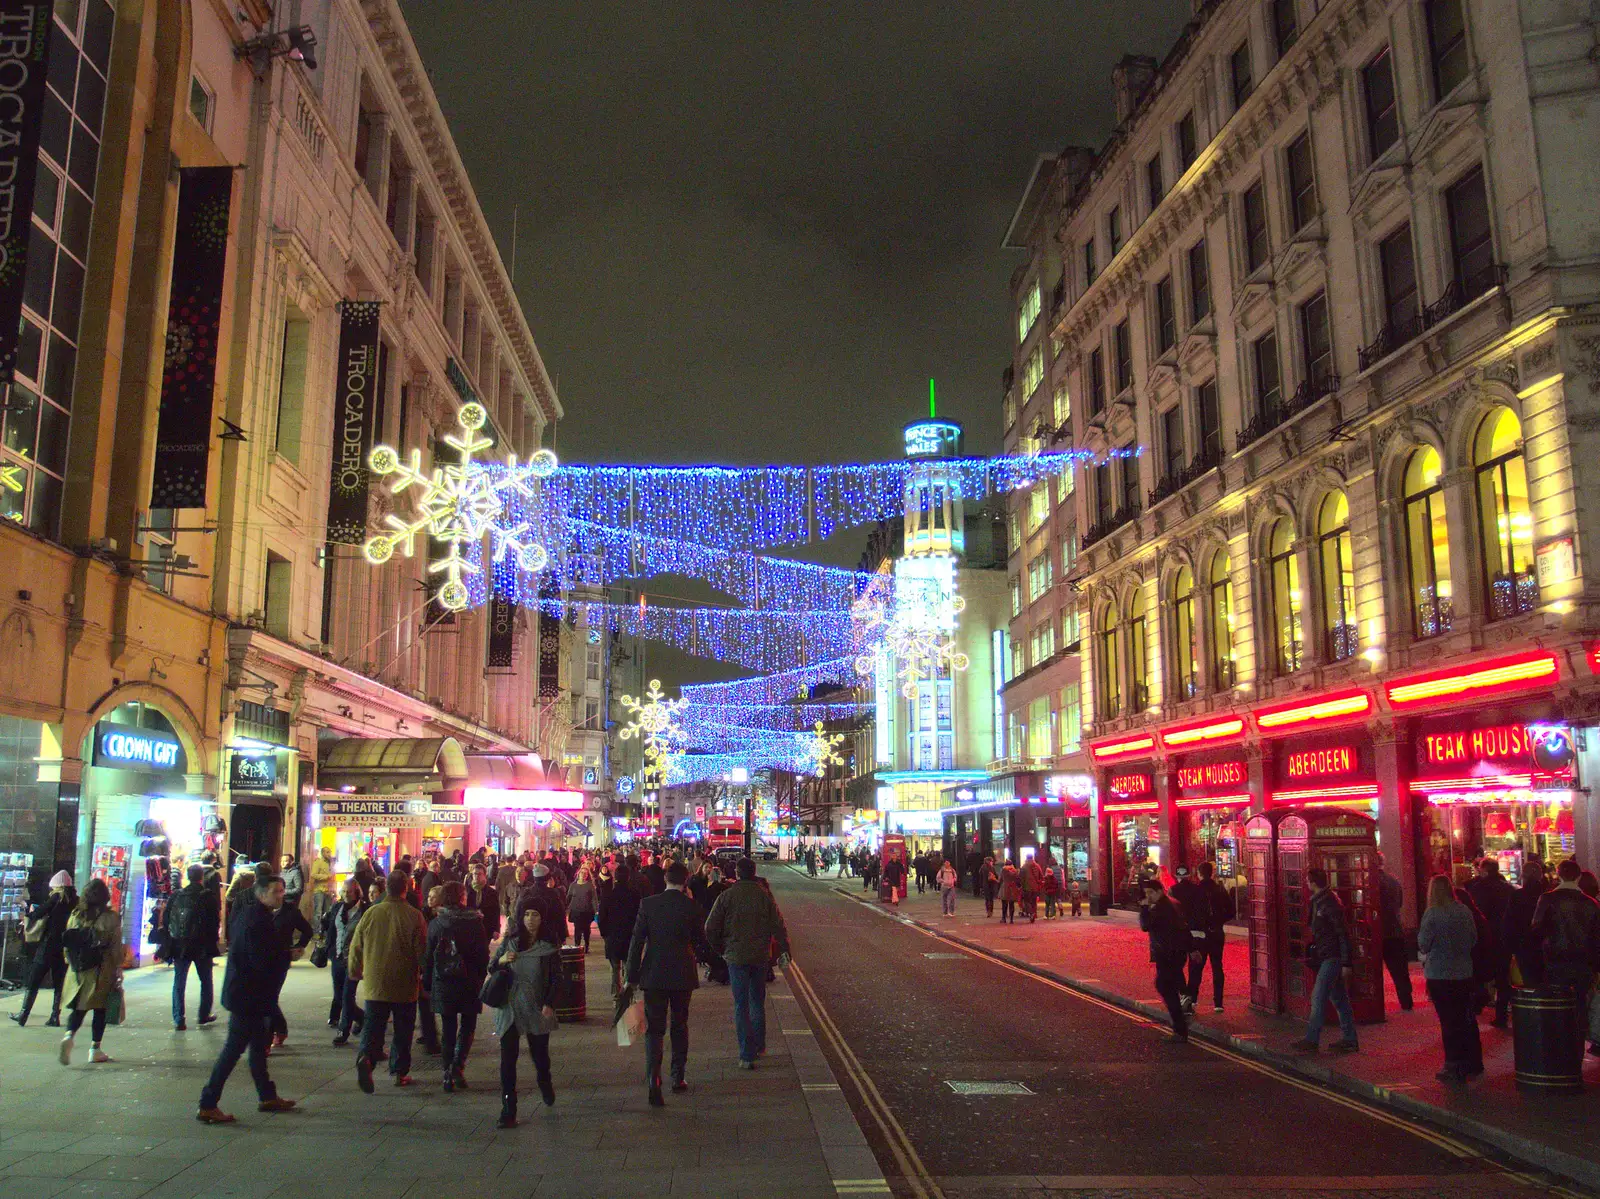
1396, 826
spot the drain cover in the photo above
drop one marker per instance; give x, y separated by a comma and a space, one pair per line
987, 1088
944, 957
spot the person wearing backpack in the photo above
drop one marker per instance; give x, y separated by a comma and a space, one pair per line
193, 924
455, 962
45, 924
93, 944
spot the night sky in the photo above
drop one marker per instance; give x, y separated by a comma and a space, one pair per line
749, 233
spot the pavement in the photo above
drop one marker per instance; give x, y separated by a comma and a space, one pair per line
1107, 958
127, 1128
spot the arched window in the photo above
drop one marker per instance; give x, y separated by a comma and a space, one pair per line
1222, 619
1185, 659
1427, 546
1505, 517
1138, 655
1284, 571
1335, 553
1108, 655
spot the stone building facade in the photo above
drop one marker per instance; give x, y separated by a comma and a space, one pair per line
1334, 276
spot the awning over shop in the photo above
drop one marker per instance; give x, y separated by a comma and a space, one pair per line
376, 765
572, 825
512, 772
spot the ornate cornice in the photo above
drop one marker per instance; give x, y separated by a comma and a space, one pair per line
405, 67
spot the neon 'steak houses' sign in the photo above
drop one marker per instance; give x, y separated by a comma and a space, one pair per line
1210, 775
1543, 751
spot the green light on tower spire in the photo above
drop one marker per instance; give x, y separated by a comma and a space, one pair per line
932, 415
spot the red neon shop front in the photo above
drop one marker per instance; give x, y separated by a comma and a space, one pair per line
1496, 784
1326, 770
1133, 828
1211, 799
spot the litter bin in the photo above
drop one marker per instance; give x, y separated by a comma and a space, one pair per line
1549, 1028
572, 998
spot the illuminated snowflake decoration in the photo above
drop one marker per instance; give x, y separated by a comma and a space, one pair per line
654, 725
822, 751
916, 633
459, 505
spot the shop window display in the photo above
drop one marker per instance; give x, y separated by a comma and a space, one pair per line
1216, 836
1452, 837
1135, 852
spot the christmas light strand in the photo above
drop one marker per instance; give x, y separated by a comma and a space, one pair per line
758, 640
774, 688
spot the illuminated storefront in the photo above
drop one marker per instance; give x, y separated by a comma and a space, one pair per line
1486, 788
1211, 798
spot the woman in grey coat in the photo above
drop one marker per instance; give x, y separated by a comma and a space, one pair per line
582, 901
1445, 938
530, 1012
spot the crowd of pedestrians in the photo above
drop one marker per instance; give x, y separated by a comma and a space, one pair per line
414, 955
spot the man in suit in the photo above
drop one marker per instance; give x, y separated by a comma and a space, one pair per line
668, 936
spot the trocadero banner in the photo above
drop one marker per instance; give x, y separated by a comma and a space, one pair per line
24, 59
194, 323
549, 644
352, 421
502, 632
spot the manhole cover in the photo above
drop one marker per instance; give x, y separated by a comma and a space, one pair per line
944, 957
987, 1088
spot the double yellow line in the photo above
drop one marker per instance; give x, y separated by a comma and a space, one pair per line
917, 1178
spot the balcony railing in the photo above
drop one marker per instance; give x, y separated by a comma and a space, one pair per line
1202, 463
1276, 412
1435, 615
1512, 594
1456, 296
1343, 641
1104, 528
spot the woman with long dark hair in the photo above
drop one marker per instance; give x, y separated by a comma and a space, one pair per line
93, 944
530, 1011
49, 919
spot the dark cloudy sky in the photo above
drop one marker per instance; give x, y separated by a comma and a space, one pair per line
749, 232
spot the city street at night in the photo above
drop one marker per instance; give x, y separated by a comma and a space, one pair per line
1112, 1108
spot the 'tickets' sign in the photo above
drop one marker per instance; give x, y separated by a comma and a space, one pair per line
376, 811
1131, 784
1321, 763
1231, 773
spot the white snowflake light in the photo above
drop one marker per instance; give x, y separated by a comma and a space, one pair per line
459, 505
654, 726
822, 750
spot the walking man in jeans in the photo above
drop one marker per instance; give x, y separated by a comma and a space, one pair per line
386, 959
258, 962
1328, 953
949, 883
193, 921
743, 925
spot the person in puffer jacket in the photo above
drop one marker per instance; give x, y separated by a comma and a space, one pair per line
455, 963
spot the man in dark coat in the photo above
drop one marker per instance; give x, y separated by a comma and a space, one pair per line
258, 962
193, 922
482, 898
1567, 923
1493, 896
453, 967
1396, 958
668, 936
655, 877
744, 926
1516, 930
1163, 920
1331, 957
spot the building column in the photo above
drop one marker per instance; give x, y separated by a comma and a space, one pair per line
1396, 827
378, 151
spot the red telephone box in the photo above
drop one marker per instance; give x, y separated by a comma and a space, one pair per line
1280, 846
1261, 910
1345, 844
894, 850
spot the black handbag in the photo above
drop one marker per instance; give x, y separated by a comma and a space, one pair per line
319, 957
496, 989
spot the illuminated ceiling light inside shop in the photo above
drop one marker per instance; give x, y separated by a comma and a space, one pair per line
1329, 707
1515, 673
1212, 730
1475, 782
512, 799
1111, 750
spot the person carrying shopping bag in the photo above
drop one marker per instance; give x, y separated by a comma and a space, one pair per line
93, 944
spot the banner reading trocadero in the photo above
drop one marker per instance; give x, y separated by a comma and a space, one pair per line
502, 633
194, 324
352, 421
24, 59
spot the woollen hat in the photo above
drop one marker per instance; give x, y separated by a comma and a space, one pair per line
60, 879
541, 871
